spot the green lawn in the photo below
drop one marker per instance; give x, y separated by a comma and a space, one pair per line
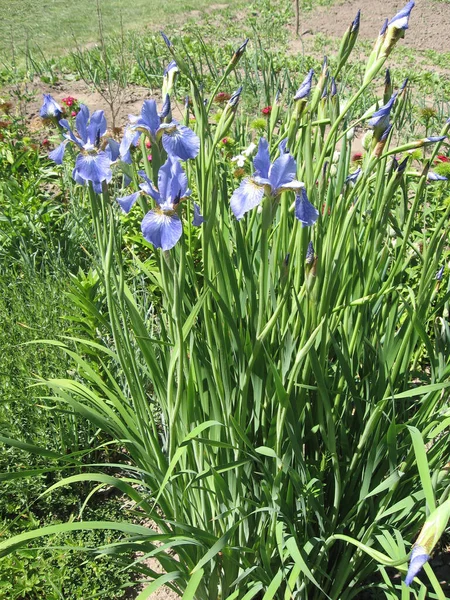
54, 24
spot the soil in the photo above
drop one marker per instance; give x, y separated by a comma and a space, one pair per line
428, 26
129, 102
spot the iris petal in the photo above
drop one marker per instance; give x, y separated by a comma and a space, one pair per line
198, 218
305, 212
96, 128
130, 138
179, 141
81, 121
149, 117
70, 134
247, 196
113, 150
57, 154
261, 162
400, 21
164, 178
165, 110
161, 229
126, 203
94, 167
418, 558
50, 108
148, 188
282, 172
380, 118
305, 88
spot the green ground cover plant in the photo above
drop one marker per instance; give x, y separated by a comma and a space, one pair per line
25, 24
269, 362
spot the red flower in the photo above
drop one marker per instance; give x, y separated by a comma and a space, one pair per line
45, 142
222, 97
73, 113
224, 140
149, 158
69, 101
266, 110
357, 156
442, 158
148, 144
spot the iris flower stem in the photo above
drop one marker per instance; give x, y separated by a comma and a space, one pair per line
218, 86
177, 364
264, 262
337, 123
109, 254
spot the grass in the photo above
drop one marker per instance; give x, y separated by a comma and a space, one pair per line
55, 25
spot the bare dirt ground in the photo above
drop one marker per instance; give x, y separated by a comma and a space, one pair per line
429, 25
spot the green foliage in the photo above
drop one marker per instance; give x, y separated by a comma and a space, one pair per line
36, 229
283, 425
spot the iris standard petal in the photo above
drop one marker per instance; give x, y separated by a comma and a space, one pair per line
94, 167
170, 67
81, 121
96, 128
282, 172
113, 150
129, 139
179, 182
247, 196
261, 162
161, 229
305, 212
57, 154
418, 558
126, 203
198, 218
164, 178
149, 117
179, 141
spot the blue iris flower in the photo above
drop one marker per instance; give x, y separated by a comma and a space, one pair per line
432, 176
380, 119
439, 274
305, 212
93, 163
352, 178
400, 21
162, 226
305, 88
269, 179
418, 558
333, 87
309, 259
178, 140
50, 109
